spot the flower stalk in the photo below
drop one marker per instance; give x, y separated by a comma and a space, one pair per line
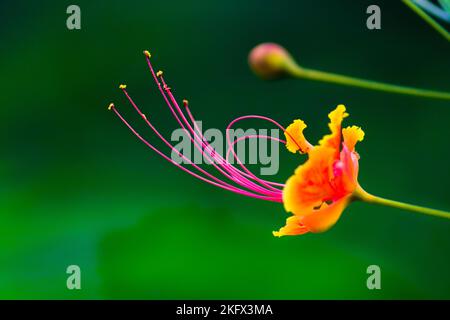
316, 75
429, 20
362, 195
271, 61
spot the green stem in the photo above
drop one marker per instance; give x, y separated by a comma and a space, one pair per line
299, 72
361, 194
436, 26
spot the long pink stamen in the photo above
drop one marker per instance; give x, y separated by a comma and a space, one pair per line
257, 136
251, 136
266, 119
221, 161
263, 182
199, 137
234, 189
155, 78
263, 190
167, 143
228, 166
236, 170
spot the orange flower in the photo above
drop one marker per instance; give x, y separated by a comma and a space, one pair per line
322, 187
319, 190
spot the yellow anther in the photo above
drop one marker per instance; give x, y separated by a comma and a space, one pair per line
159, 73
111, 105
185, 102
123, 86
147, 54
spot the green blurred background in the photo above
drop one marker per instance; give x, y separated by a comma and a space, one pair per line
78, 188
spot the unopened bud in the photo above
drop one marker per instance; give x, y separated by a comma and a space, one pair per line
271, 61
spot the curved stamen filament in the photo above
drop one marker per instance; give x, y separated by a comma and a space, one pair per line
166, 142
233, 189
234, 154
198, 136
252, 136
174, 113
228, 166
188, 111
257, 188
257, 136
212, 155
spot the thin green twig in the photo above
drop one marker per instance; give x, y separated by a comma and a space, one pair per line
435, 25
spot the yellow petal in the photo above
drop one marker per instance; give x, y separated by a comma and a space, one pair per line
333, 140
351, 136
336, 116
293, 227
295, 140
